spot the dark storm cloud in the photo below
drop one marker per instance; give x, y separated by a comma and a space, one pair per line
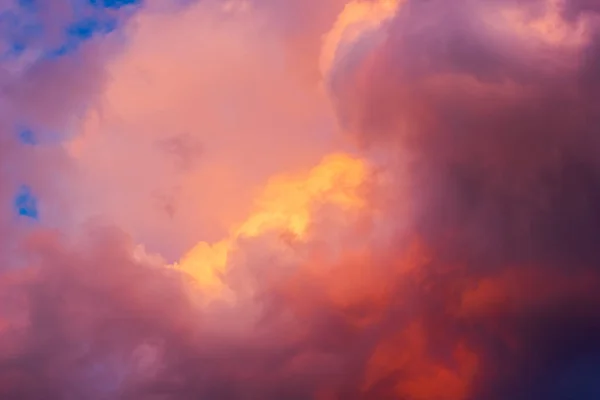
502, 132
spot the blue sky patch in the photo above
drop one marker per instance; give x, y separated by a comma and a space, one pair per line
116, 4
26, 203
27, 136
24, 29
86, 28
81, 31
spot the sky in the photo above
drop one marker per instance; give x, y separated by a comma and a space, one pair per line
300, 199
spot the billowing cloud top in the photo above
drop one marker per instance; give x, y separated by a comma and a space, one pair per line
310, 199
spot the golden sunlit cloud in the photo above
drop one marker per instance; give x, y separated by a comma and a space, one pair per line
284, 207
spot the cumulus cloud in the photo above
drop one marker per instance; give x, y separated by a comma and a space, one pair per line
198, 95
198, 233
494, 107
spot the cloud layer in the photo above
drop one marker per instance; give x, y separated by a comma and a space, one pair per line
175, 225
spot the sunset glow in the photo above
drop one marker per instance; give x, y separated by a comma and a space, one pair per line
299, 200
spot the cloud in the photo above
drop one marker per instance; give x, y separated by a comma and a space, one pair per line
165, 93
451, 256
42, 95
494, 113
